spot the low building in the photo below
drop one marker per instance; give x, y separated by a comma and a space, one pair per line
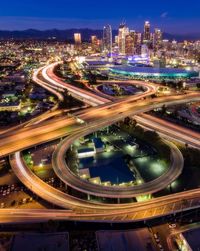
98, 145
9, 94
10, 107
84, 173
86, 152
95, 180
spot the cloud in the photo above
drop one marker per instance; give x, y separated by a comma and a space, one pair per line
164, 14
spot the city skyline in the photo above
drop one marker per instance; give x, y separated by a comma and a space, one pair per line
99, 125
45, 15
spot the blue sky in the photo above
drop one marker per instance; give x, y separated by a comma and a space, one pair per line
177, 16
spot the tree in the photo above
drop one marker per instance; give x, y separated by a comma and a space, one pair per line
151, 135
139, 130
164, 109
127, 121
198, 85
133, 123
92, 78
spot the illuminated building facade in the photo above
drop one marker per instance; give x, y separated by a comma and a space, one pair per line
157, 39
77, 38
130, 43
123, 32
147, 33
152, 73
107, 39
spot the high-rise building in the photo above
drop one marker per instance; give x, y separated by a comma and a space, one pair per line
138, 38
138, 42
130, 43
77, 38
93, 39
147, 33
123, 32
95, 43
107, 39
157, 38
145, 51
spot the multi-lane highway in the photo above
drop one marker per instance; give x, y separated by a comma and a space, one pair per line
90, 210
60, 127
169, 130
69, 178
105, 114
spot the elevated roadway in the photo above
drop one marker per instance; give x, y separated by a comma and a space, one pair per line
94, 211
169, 130
104, 115
60, 127
63, 171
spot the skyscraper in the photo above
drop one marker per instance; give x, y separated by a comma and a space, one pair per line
77, 38
147, 34
145, 51
95, 43
138, 38
123, 32
130, 43
107, 39
138, 42
157, 38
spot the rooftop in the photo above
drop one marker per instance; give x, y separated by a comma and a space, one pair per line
153, 72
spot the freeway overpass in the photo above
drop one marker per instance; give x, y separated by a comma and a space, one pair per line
103, 115
94, 211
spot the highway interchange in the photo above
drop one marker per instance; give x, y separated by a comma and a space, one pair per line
103, 113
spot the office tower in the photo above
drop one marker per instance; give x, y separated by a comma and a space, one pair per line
137, 42
77, 38
157, 38
138, 38
145, 51
116, 39
147, 34
123, 32
130, 43
95, 43
94, 39
107, 39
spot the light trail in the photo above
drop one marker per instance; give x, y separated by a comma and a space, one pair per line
106, 114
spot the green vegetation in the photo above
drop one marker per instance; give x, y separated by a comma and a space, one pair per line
28, 159
69, 101
191, 155
71, 160
92, 79
198, 85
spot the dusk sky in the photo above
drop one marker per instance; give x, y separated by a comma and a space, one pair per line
175, 16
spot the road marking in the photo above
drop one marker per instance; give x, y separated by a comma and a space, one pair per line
125, 216
163, 209
154, 211
145, 213
134, 216
173, 207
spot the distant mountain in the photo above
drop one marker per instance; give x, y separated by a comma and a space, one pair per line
181, 37
68, 34
58, 34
